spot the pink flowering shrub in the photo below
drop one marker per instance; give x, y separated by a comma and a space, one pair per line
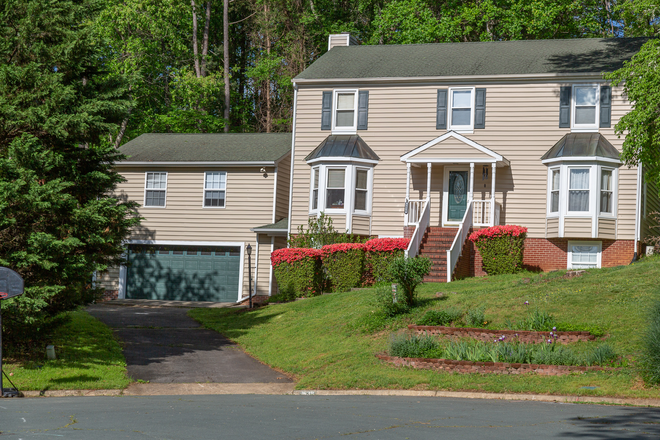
380, 253
344, 265
501, 248
298, 271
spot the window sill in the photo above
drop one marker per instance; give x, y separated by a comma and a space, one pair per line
154, 207
340, 132
462, 130
584, 130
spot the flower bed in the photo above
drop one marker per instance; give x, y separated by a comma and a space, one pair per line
298, 271
380, 253
481, 334
344, 263
501, 248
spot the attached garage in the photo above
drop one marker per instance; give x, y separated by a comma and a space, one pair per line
184, 273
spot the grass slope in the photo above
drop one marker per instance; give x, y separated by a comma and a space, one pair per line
329, 342
88, 357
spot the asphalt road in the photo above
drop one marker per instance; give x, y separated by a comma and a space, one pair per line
164, 345
317, 417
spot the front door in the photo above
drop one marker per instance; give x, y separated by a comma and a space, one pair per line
457, 195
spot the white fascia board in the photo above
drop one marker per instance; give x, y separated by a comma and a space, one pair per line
585, 159
467, 79
496, 157
342, 160
196, 164
452, 160
270, 232
186, 243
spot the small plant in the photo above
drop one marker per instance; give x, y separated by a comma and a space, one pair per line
601, 355
386, 303
320, 232
476, 317
380, 253
441, 317
650, 359
403, 345
501, 248
409, 273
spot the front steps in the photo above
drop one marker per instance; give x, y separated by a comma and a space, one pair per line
435, 244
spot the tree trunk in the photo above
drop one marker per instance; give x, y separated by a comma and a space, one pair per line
269, 118
205, 40
194, 38
225, 53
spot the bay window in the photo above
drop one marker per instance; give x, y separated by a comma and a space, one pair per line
554, 190
340, 188
335, 183
315, 188
606, 191
578, 190
361, 189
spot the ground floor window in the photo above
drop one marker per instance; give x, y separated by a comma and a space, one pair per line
341, 189
584, 254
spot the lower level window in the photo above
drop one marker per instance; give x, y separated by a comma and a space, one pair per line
361, 190
334, 198
584, 255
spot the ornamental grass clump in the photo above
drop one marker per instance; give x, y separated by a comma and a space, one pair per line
650, 359
344, 265
413, 346
298, 270
441, 317
380, 253
501, 248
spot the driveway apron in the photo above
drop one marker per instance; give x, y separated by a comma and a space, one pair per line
164, 345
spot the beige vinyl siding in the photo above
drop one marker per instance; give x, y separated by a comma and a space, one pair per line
282, 190
607, 228
452, 148
650, 208
552, 228
361, 225
577, 227
263, 265
522, 123
109, 279
248, 204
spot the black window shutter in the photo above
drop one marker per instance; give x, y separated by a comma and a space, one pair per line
480, 108
605, 106
326, 112
565, 107
441, 121
363, 109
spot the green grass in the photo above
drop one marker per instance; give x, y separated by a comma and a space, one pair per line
88, 357
329, 342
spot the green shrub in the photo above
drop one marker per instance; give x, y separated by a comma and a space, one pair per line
501, 248
650, 359
441, 317
380, 253
409, 273
286, 294
403, 345
386, 304
476, 317
344, 265
299, 270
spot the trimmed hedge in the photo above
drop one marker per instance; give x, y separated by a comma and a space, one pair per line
344, 264
381, 253
501, 248
298, 271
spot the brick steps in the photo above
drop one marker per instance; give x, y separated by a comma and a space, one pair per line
435, 244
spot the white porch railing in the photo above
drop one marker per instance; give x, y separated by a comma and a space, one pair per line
454, 253
415, 208
482, 213
420, 229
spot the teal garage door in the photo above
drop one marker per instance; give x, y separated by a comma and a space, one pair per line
183, 273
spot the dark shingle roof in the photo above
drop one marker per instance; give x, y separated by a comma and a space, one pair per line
584, 55
582, 145
343, 146
282, 225
207, 147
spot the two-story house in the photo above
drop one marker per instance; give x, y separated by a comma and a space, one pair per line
432, 141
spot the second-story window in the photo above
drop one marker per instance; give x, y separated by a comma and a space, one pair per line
155, 189
585, 107
345, 111
462, 107
215, 185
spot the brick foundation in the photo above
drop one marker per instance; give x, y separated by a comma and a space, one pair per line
408, 231
109, 295
257, 299
466, 367
482, 334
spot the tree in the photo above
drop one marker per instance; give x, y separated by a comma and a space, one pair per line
57, 107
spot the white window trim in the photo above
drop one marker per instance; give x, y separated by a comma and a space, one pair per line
311, 190
461, 128
592, 185
350, 179
204, 191
144, 195
549, 213
569, 253
615, 191
585, 127
335, 101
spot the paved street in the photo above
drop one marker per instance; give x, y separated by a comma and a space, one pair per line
317, 417
164, 345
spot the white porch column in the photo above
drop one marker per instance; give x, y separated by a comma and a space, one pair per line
405, 214
492, 194
471, 193
428, 181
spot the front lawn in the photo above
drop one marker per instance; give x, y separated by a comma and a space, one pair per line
329, 342
88, 357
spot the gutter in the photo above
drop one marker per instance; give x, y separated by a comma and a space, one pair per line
196, 164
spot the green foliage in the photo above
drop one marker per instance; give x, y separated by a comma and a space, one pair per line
286, 294
412, 346
304, 277
344, 269
378, 265
594, 329
476, 317
542, 321
502, 255
386, 303
650, 359
320, 232
57, 223
441, 317
409, 273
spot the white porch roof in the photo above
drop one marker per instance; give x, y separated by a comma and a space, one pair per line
452, 147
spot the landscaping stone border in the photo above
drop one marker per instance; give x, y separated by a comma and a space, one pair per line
466, 367
483, 334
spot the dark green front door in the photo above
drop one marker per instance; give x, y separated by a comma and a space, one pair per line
183, 273
457, 203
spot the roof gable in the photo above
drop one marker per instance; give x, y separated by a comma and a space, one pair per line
453, 148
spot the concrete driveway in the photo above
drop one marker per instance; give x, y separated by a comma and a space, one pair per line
164, 345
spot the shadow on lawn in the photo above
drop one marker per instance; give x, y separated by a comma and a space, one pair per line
631, 423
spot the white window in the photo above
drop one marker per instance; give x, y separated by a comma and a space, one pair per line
344, 118
335, 183
586, 107
606, 191
361, 189
555, 175
584, 254
340, 188
578, 190
315, 189
155, 189
215, 187
461, 102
